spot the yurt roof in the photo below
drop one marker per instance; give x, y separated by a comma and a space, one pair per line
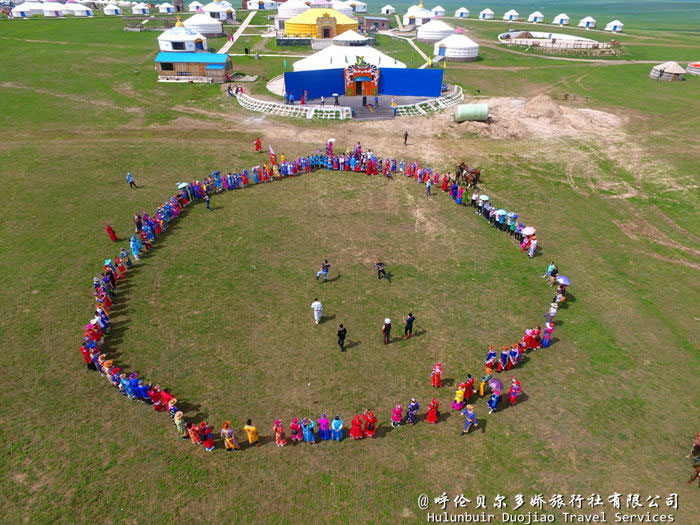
419, 10
457, 41
350, 36
341, 7
511, 12
537, 14
388, 6
180, 34
139, 6
336, 57
320, 3
438, 8
310, 16
195, 4
588, 19
292, 8
486, 11
204, 23
462, 10
111, 6
561, 15
166, 4
615, 23
435, 26
216, 7
354, 2
670, 67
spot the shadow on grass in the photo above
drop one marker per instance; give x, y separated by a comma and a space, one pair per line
326, 318
448, 381
352, 344
333, 279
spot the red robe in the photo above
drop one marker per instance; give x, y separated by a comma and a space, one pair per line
469, 390
356, 428
445, 180
110, 232
86, 355
370, 425
437, 377
155, 398
258, 145
165, 397
433, 413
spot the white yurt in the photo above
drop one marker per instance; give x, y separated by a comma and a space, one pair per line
433, 31
166, 8
140, 9
417, 15
261, 5
350, 38
341, 7
53, 9
511, 15
456, 48
486, 14
333, 57
438, 10
561, 19
291, 8
388, 10
670, 71
462, 12
28, 9
76, 9
587, 22
219, 11
112, 10
192, 8
693, 68
356, 6
615, 26
535, 17
181, 38
205, 25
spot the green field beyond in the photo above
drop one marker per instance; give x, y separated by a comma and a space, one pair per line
219, 311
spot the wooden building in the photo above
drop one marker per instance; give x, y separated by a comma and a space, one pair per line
372, 24
198, 67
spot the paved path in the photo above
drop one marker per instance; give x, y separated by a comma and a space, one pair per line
238, 33
409, 40
398, 21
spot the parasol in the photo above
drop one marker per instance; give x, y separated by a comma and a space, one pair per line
331, 140
529, 230
496, 385
563, 279
512, 215
181, 185
215, 173
501, 212
483, 197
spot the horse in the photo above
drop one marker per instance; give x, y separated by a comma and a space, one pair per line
469, 175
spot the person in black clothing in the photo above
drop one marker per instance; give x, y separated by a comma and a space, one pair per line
342, 332
408, 329
380, 270
405, 137
207, 198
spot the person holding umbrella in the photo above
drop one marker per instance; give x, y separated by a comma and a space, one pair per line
533, 247
553, 275
497, 387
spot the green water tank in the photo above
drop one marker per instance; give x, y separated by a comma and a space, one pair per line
472, 112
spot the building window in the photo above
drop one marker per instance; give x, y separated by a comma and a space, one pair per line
166, 66
178, 46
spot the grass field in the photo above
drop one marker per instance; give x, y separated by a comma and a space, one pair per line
219, 310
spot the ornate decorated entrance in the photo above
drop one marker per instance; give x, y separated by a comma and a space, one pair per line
361, 78
325, 26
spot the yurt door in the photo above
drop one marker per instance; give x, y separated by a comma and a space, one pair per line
199, 45
358, 87
441, 51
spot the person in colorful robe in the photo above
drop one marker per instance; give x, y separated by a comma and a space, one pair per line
156, 399
258, 145
512, 357
229, 437
503, 361
468, 387
370, 423
412, 412
356, 427
307, 429
110, 232
469, 419
490, 358
458, 401
180, 425
514, 391
547, 337
135, 246
460, 195
251, 433
337, 429
280, 437
454, 189
193, 432
433, 412
493, 401
206, 432
436, 376
324, 430
396, 416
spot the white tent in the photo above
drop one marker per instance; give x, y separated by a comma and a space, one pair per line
181, 38
587, 22
166, 8
511, 15
291, 8
462, 12
350, 38
341, 7
438, 10
693, 68
433, 31
28, 9
388, 10
261, 5
356, 6
337, 57
112, 10
667, 71
194, 6
561, 19
204, 24
220, 12
535, 17
76, 9
417, 15
615, 26
140, 9
486, 14
457, 48
53, 9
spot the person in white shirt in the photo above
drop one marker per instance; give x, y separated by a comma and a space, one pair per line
317, 307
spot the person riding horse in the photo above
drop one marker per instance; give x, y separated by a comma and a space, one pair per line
468, 175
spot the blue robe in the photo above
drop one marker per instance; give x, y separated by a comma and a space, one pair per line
337, 429
493, 402
135, 246
308, 431
470, 419
411, 412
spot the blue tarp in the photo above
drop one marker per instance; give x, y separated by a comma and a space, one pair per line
410, 82
318, 83
191, 58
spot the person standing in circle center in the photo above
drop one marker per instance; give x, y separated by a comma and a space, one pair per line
317, 307
342, 332
386, 331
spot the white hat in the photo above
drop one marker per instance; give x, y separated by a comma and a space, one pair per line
387, 321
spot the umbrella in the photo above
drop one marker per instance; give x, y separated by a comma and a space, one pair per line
335, 95
529, 230
331, 140
181, 185
496, 385
512, 215
483, 197
215, 173
501, 212
563, 279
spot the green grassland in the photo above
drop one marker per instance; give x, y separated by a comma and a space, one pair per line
219, 310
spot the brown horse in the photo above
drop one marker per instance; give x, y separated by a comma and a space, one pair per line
470, 176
